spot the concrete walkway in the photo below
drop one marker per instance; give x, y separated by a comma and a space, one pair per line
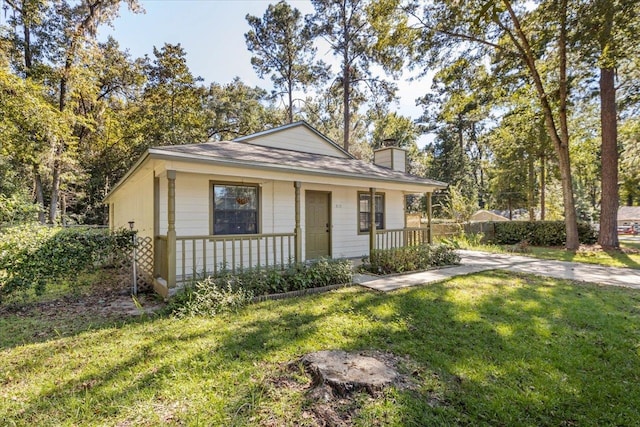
475, 262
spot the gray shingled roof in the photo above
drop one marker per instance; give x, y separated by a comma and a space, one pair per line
244, 153
628, 212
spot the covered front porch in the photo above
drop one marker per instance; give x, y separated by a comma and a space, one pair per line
182, 257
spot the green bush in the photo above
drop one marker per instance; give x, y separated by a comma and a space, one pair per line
226, 291
17, 209
411, 258
540, 233
31, 256
211, 296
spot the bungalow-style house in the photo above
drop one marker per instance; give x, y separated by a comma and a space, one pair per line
276, 197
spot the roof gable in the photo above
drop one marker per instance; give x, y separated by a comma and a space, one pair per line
298, 136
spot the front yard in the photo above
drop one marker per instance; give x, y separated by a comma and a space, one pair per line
487, 349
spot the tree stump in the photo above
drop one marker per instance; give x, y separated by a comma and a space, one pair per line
345, 372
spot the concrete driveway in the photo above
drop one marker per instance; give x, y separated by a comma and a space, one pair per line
475, 262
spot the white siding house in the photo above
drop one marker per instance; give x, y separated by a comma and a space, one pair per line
276, 197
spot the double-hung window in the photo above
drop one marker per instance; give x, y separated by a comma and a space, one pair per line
364, 211
235, 209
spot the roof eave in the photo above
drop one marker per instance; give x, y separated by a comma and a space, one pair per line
130, 172
162, 155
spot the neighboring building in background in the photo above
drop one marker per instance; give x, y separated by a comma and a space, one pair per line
629, 215
485, 215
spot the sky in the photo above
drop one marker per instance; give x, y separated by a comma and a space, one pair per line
212, 34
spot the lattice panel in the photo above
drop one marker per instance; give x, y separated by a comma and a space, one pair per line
144, 263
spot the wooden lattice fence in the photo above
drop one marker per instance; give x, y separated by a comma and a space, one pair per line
144, 263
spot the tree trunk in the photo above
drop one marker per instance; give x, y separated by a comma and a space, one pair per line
55, 189
570, 216
290, 109
39, 193
543, 187
346, 87
58, 149
559, 133
608, 236
532, 183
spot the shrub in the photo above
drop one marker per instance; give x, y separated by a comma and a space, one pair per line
211, 296
31, 257
411, 258
226, 291
540, 233
17, 209
463, 240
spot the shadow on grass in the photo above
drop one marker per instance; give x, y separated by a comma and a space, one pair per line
488, 349
510, 348
605, 257
155, 356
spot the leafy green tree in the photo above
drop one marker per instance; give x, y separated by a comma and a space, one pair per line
525, 34
630, 161
459, 205
172, 100
283, 48
235, 110
112, 138
49, 43
360, 34
394, 129
511, 177
27, 122
459, 104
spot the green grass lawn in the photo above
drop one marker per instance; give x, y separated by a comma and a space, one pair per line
609, 258
488, 349
623, 258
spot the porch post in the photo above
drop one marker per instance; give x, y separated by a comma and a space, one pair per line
429, 235
171, 231
372, 220
298, 230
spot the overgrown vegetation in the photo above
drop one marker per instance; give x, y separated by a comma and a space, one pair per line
412, 258
488, 349
228, 292
31, 257
539, 233
17, 209
211, 296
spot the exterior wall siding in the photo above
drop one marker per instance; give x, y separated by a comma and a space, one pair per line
383, 158
399, 160
299, 139
134, 202
277, 215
